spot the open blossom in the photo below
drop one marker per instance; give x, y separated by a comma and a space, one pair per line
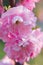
6, 61
24, 47
30, 4
14, 16
37, 39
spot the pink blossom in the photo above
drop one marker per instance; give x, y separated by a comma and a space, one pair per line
30, 4
37, 39
6, 61
25, 18
24, 47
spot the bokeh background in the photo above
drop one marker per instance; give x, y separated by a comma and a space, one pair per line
39, 13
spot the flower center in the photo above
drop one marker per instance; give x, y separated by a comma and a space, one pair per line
17, 19
17, 22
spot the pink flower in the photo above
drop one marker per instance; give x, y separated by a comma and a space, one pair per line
6, 61
37, 39
13, 16
24, 47
30, 4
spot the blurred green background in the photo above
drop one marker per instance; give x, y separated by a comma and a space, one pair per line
39, 13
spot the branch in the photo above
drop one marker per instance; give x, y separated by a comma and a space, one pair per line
1, 2
1, 7
12, 3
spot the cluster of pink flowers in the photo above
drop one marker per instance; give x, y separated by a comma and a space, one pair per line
22, 43
30, 4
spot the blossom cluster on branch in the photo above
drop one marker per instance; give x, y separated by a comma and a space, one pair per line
22, 42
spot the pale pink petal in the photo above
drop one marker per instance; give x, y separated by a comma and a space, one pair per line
30, 4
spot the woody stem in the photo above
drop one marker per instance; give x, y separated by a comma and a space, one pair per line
12, 3
17, 63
